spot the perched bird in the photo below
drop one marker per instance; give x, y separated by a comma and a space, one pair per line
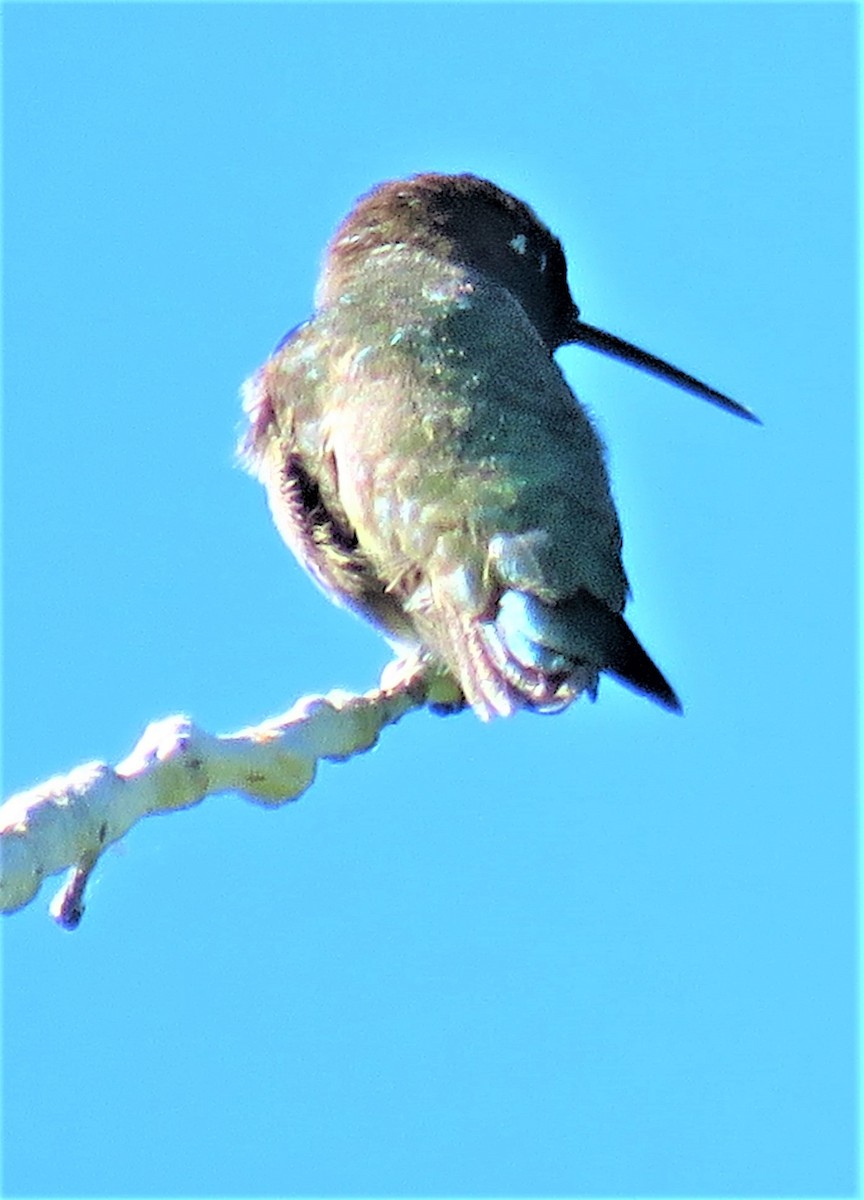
426, 461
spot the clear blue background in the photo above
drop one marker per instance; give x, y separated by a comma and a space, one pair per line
607, 953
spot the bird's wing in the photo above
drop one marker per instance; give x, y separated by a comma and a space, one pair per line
299, 473
469, 471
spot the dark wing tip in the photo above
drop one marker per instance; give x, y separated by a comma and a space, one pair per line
635, 667
623, 655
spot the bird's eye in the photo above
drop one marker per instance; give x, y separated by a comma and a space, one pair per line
520, 245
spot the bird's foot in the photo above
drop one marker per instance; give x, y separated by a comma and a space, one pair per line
414, 672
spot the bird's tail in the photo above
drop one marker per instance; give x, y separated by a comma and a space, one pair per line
542, 656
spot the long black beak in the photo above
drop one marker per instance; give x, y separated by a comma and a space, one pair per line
588, 335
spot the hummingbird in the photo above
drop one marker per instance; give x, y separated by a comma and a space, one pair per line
427, 463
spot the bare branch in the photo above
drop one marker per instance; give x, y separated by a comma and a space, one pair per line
69, 821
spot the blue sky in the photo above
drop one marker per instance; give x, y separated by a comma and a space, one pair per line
607, 953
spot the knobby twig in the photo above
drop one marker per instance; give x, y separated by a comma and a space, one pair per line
70, 820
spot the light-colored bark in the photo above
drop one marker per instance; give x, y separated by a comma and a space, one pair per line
69, 821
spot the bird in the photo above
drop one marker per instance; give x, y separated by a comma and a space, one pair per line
427, 462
